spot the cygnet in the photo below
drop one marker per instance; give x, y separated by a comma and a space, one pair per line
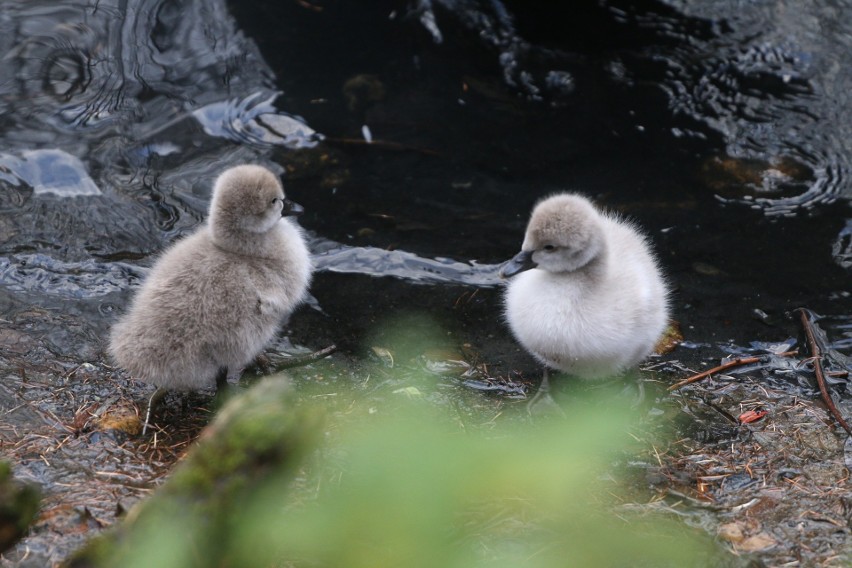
217, 297
586, 295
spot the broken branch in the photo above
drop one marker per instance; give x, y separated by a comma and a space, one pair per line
724, 367
720, 368
816, 355
281, 363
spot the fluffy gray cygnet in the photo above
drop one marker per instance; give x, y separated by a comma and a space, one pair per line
216, 298
587, 296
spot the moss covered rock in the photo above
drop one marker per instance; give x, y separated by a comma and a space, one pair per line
187, 522
18, 507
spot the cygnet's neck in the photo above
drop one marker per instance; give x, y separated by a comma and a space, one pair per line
244, 243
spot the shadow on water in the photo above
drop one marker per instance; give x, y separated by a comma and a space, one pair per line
417, 135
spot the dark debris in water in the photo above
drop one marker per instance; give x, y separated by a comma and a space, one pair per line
507, 387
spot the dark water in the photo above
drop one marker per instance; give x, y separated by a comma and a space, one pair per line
722, 129
705, 122
719, 133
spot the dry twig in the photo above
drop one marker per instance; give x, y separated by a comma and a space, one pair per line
724, 367
281, 363
720, 368
816, 356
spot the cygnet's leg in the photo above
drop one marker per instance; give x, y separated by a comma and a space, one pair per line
224, 389
222, 379
634, 389
542, 402
640, 396
153, 401
543, 390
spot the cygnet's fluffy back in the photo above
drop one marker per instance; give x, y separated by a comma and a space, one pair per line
217, 297
587, 295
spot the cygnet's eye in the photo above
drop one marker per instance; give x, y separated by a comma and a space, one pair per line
549, 248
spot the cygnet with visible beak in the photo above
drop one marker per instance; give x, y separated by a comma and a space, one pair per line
213, 300
586, 295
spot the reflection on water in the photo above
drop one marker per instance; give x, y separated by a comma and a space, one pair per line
255, 121
842, 247
773, 80
494, 25
116, 117
107, 101
128, 111
48, 171
372, 261
43, 275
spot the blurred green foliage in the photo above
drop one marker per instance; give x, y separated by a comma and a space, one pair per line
19, 504
409, 491
390, 480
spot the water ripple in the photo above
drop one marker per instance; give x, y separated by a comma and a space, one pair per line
334, 257
44, 275
774, 82
526, 68
842, 247
49, 171
101, 103
254, 120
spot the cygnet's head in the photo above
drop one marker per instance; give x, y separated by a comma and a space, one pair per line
565, 233
248, 199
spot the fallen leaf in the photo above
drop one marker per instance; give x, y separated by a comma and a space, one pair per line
670, 339
122, 418
760, 541
752, 416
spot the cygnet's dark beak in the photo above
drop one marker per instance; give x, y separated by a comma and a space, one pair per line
521, 262
291, 209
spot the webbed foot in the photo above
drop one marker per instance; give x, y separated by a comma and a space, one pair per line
542, 403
